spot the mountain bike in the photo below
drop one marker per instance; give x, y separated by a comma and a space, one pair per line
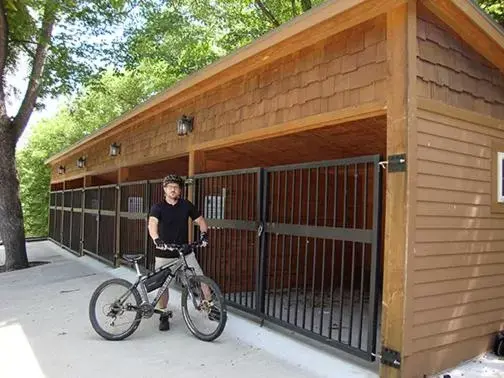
203, 307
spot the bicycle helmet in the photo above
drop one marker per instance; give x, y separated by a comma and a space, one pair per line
174, 179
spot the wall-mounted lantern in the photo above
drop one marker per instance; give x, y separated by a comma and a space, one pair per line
61, 170
115, 149
81, 162
184, 125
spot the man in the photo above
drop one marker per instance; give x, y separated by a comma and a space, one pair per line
168, 223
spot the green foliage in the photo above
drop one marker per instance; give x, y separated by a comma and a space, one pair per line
494, 8
48, 137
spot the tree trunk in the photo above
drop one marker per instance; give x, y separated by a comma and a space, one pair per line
11, 215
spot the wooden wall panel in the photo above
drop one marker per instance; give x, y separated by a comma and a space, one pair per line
449, 70
457, 296
341, 71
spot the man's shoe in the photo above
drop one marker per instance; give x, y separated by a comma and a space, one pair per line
164, 322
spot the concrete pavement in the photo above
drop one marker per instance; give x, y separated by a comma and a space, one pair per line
45, 332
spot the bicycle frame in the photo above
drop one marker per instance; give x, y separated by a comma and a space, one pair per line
178, 265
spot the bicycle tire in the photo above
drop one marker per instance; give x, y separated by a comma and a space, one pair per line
223, 313
92, 310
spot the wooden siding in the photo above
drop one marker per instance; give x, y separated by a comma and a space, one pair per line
339, 72
449, 70
457, 298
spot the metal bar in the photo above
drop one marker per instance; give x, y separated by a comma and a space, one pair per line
290, 249
271, 192
235, 274
233, 224
131, 183
71, 220
146, 206
117, 226
365, 236
107, 186
306, 247
298, 245
375, 258
283, 249
314, 265
364, 226
227, 173
83, 205
349, 349
262, 201
211, 184
98, 223
342, 299
77, 210
247, 264
327, 163
125, 214
241, 216
323, 252
276, 244
352, 279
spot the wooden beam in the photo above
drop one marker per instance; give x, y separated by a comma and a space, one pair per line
472, 26
308, 123
197, 164
329, 18
401, 118
123, 174
88, 181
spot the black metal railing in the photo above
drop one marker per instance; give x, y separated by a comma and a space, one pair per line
297, 244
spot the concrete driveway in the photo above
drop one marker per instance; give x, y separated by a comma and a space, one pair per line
45, 332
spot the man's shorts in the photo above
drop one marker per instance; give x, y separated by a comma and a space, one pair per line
190, 259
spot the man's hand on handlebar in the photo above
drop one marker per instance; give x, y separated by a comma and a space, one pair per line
204, 239
159, 243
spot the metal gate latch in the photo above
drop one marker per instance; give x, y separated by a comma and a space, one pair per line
389, 357
395, 163
260, 230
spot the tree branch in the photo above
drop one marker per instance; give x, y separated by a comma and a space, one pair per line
267, 12
33, 90
23, 41
4, 49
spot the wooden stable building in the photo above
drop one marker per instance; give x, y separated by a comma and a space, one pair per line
350, 165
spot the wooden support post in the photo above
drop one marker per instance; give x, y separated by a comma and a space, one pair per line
196, 165
401, 127
122, 176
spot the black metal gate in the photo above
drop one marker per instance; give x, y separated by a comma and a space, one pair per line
299, 246
99, 217
230, 202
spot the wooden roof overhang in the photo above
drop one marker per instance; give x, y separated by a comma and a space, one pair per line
330, 18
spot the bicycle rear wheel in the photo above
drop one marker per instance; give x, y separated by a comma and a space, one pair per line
113, 309
203, 308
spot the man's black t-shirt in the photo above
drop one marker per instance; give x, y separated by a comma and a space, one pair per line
173, 219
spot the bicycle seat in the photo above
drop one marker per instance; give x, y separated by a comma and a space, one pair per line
133, 258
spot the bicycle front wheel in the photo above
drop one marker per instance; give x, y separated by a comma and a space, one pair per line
114, 309
203, 308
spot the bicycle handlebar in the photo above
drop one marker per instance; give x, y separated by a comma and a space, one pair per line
179, 247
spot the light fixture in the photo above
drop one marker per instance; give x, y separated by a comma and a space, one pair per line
184, 125
61, 170
81, 162
115, 149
